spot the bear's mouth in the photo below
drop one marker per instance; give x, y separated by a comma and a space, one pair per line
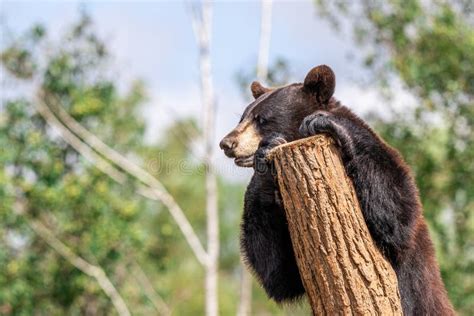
245, 162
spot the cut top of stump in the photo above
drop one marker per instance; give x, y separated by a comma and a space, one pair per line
320, 140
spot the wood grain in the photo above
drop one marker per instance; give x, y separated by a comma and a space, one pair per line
342, 270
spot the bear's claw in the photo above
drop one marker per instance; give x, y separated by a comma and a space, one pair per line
261, 163
319, 122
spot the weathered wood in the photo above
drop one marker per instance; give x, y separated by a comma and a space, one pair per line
342, 270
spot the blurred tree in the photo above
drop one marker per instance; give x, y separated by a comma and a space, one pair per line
429, 45
94, 216
104, 222
278, 74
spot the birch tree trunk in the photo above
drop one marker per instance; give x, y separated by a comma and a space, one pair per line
342, 270
265, 36
245, 302
202, 26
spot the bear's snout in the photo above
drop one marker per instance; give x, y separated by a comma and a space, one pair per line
228, 144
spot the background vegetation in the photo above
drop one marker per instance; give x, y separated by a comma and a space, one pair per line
427, 46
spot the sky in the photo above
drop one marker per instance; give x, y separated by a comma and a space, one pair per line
154, 41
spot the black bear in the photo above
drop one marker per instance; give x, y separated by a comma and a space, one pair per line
384, 186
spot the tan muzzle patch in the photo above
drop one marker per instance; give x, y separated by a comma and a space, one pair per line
247, 138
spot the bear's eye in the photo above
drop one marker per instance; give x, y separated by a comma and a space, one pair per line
260, 120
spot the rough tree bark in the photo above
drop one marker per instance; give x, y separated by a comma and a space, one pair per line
342, 270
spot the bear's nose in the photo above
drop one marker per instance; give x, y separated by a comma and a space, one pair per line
228, 143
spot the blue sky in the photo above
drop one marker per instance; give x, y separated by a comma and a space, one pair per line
154, 41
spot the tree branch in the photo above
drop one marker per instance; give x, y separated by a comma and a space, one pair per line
92, 270
102, 164
141, 277
157, 190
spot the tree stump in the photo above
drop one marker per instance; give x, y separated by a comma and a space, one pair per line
342, 270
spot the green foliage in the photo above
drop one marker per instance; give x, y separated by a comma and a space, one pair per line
94, 216
430, 47
106, 223
278, 75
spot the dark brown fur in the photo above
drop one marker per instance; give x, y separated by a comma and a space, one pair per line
384, 186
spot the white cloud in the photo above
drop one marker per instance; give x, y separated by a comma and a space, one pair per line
364, 100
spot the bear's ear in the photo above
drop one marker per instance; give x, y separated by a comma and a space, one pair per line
257, 89
320, 82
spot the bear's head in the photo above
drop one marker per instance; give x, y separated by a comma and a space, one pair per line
278, 110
